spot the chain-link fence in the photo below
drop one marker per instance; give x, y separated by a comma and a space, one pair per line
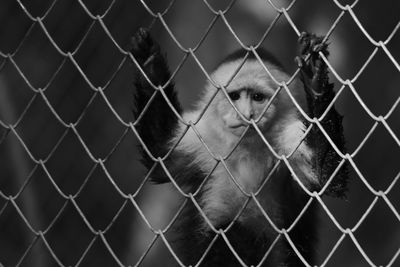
72, 190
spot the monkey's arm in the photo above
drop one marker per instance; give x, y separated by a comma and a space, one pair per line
319, 94
157, 123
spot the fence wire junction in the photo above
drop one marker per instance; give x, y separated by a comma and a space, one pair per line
22, 200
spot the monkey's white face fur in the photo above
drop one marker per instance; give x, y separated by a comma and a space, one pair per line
221, 126
250, 91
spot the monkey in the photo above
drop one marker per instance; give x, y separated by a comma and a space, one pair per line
245, 156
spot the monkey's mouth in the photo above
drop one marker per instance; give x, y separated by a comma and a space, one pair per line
239, 128
237, 124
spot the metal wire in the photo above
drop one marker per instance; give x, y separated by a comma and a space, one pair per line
130, 200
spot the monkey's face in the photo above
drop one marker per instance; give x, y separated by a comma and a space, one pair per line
248, 104
250, 92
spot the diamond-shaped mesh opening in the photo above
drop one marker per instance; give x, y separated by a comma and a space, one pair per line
74, 191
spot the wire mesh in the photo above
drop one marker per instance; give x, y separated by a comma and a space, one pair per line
37, 173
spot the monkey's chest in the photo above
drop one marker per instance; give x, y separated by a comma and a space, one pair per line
247, 175
230, 187
249, 170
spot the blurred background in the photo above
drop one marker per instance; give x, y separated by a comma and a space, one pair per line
56, 199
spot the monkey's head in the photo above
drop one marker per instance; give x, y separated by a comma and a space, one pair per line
250, 91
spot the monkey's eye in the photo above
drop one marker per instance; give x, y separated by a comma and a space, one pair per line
234, 96
258, 97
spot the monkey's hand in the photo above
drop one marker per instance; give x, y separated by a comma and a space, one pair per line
148, 55
319, 94
314, 73
157, 121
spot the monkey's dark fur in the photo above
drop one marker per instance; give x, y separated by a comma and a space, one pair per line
156, 127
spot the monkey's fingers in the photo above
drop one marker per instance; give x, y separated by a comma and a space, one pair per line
143, 48
314, 72
147, 53
312, 44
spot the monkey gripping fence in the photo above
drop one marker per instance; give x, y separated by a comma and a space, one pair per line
10, 201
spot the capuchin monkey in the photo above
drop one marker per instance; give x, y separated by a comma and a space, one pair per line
245, 156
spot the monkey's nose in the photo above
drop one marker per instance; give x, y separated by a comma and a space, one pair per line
247, 114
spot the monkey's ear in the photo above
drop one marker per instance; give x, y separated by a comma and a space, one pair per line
319, 93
